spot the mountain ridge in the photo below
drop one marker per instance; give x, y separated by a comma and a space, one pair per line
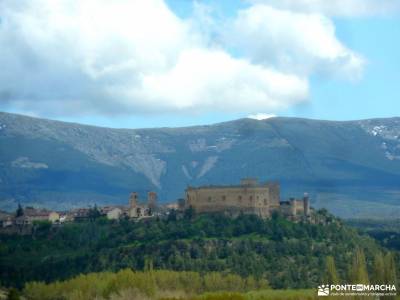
62, 164
192, 126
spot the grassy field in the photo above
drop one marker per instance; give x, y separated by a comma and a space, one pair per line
136, 294
261, 295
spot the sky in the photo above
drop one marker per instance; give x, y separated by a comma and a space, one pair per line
169, 63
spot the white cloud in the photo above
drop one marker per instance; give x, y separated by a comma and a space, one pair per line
102, 57
303, 43
261, 116
338, 8
132, 56
203, 79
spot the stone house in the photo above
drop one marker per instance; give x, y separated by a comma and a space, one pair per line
6, 219
114, 214
54, 217
79, 214
32, 214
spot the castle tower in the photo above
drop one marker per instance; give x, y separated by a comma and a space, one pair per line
306, 203
293, 207
249, 182
152, 200
133, 200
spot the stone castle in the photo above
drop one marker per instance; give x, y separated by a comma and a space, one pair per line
250, 197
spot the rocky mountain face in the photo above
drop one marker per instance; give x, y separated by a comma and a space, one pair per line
352, 168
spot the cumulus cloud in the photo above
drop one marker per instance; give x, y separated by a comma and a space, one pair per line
303, 43
338, 8
212, 78
131, 56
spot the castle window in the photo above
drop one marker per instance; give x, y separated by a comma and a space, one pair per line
240, 198
265, 202
223, 198
209, 199
251, 198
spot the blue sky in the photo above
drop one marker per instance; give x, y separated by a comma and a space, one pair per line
376, 94
185, 63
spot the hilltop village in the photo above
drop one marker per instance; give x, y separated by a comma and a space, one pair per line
249, 197
135, 210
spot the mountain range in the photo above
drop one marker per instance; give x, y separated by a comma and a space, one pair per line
350, 167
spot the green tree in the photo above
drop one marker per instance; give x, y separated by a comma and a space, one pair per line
378, 269
148, 264
13, 294
331, 275
172, 216
20, 211
94, 213
358, 270
189, 213
390, 269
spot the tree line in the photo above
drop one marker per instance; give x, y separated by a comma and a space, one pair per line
285, 254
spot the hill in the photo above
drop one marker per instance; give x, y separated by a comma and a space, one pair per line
352, 168
286, 254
